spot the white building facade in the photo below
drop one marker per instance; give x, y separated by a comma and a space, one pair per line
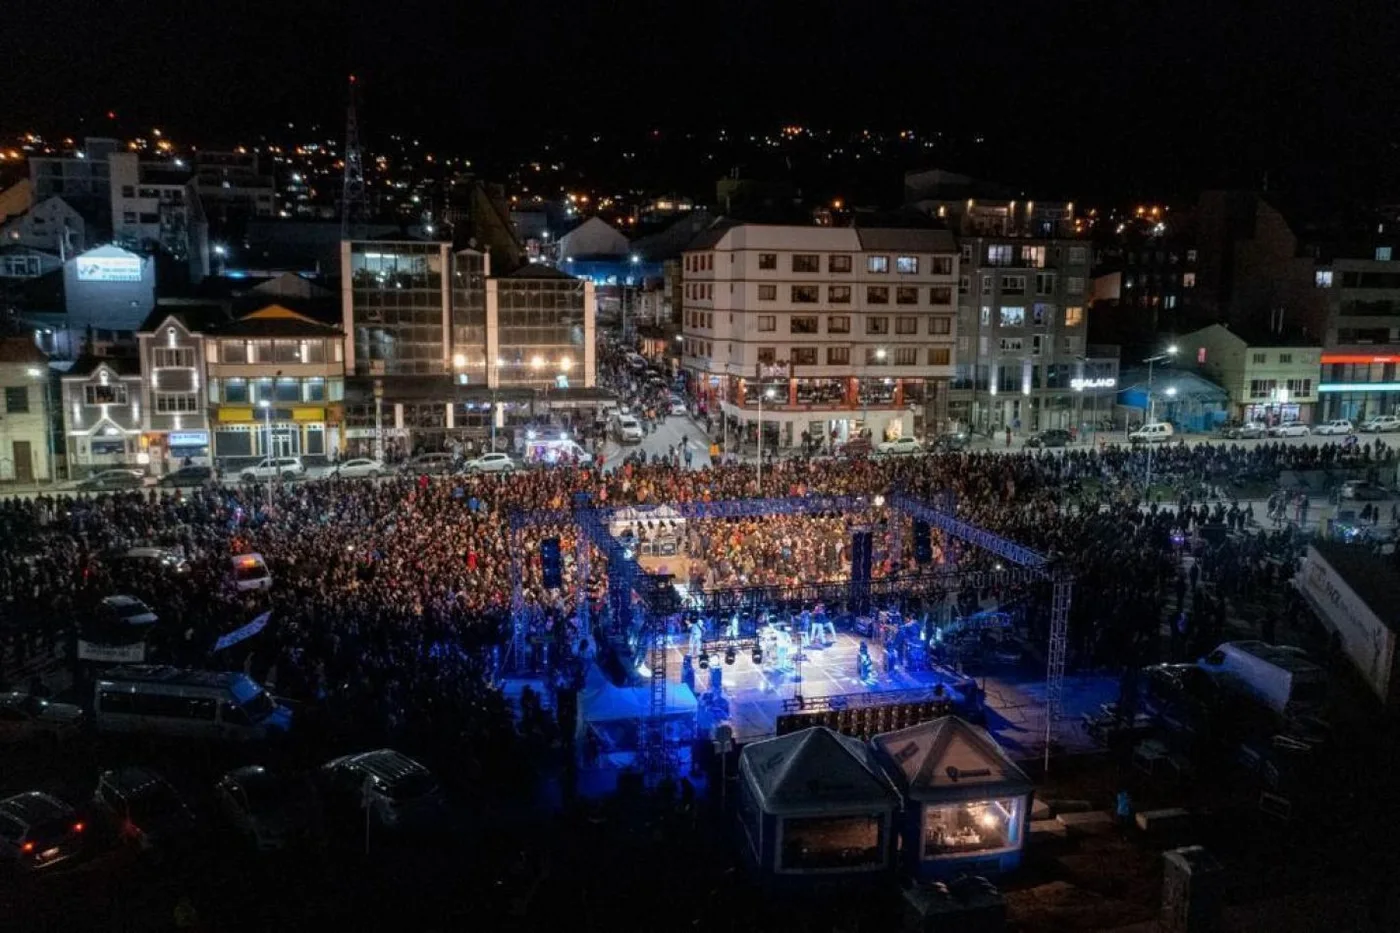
24, 416
836, 332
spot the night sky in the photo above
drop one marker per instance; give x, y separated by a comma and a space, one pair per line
1113, 98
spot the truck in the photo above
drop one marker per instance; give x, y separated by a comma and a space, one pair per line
1280, 677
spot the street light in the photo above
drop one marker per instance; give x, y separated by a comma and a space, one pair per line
36, 373
765, 394
1151, 408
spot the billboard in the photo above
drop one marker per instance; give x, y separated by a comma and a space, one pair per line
1365, 638
112, 654
109, 268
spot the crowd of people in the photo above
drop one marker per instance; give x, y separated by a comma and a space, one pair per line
391, 600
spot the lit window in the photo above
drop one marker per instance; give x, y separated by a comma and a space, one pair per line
1074, 316
906, 265
878, 264
1382, 254
1323, 278
768, 260
1000, 255
1012, 317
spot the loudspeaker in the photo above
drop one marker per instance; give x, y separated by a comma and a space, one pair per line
923, 543
553, 565
860, 556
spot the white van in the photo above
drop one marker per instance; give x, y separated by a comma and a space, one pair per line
160, 700
557, 451
1280, 677
250, 573
627, 429
1154, 432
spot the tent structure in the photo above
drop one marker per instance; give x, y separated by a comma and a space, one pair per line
815, 803
967, 802
611, 718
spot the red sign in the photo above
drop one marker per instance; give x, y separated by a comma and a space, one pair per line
1356, 358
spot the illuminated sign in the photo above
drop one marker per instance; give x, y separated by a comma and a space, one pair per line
1079, 384
1356, 358
188, 438
1359, 387
109, 269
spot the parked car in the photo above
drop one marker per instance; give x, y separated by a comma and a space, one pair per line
399, 792
1249, 430
126, 611
272, 810
900, 445
1154, 432
38, 831
163, 558
490, 463
1362, 491
1336, 426
359, 468
286, 468
1381, 424
429, 463
1290, 429
951, 441
1054, 437
187, 476
113, 479
25, 718
627, 429
143, 808
678, 407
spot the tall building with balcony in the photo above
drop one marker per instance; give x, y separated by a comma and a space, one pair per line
1022, 330
835, 332
157, 206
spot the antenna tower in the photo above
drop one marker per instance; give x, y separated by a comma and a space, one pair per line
353, 205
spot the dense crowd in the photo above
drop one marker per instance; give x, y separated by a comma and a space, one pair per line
391, 599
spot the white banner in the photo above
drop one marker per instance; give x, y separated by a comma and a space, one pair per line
112, 654
1365, 638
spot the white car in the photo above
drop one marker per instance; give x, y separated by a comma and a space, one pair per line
24, 718
1338, 426
287, 468
491, 463
1290, 429
900, 445
1381, 424
678, 407
627, 429
250, 573
359, 468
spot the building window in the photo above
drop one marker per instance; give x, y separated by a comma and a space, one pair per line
767, 293
767, 322
128, 217
803, 324
1012, 317
906, 295
110, 394
1042, 314
1045, 283
16, 399
173, 357
1074, 317
838, 356
906, 265
1285, 357
1013, 285
1033, 256
806, 262
906, 356
877, 264
940, 325
235, 391
986, 316
1011, 344
838, 264
877, 325
1322, 278
1188, 280
939, 356
169, 403
964, 284
1259, 358
966, 252
941, 294
1078, 256
767, 355
128, 191
906, 325
838, 324
768, 260
1382, 254
803, 356
875, 356
1074, 284
940, 265
987, 281
838, 294
806, 294
877, 294
1000, 255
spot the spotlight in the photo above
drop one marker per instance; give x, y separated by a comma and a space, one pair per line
757, 655
729, 655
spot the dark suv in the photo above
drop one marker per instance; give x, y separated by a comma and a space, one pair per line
1054, 437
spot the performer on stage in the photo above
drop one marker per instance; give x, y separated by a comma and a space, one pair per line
697, 638
784, 659
733, 630
865, 666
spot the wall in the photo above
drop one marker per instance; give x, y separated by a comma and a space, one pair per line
107, 305
30, 426
1365, 638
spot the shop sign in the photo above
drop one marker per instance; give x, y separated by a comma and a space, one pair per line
361, 434
188, 438
1105, 383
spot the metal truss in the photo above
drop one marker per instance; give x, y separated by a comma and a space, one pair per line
957, 528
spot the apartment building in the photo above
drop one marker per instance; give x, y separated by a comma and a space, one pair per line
829, 332
1270, 376
1358, 289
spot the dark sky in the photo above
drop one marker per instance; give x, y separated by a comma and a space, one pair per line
1120, 95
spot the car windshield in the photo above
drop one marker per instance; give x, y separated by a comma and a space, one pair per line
412, 786
250, 572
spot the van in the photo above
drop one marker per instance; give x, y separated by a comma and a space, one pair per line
170, 701
1154, 432
250, 573
1281, 678
557, 451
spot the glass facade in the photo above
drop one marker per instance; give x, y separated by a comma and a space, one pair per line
540, 330
397, 308
469, 317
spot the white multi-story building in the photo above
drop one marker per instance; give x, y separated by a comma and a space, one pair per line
836, 331
25, 419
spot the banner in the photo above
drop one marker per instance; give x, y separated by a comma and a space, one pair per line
112, 654
248, 631
1367, 641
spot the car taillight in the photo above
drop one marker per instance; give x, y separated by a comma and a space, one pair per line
27, 847
77, 827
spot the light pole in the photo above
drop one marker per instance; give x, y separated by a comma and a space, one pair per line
495, 406
766, 393
1151, 408
37, 373
266, 406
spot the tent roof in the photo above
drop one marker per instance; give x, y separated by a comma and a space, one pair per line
815, 771
601, 701
949, 759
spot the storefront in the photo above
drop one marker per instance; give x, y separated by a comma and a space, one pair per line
192, 446
298, 431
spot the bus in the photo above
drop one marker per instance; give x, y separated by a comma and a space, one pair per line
169, 701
